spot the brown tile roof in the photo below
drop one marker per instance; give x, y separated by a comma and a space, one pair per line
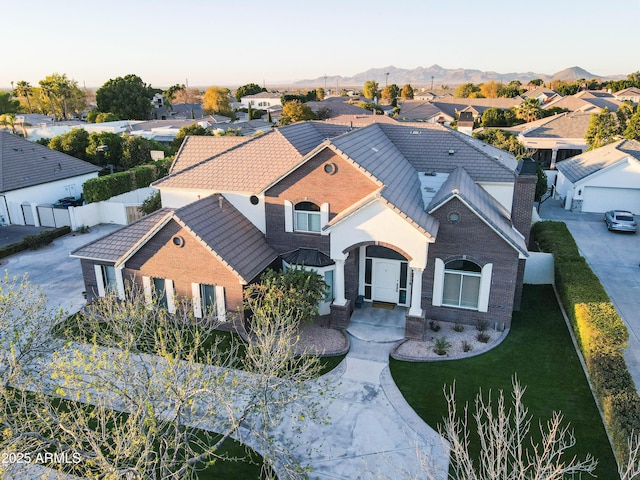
195, 149
25, 164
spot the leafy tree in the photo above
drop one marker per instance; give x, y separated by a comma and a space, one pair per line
632, 131
498, 117
541, 185
98, 155
407, 92
169, 93
151, 204
371, 89
295, 112
74, 143
550, 112
390, 93
624, 113
502, 140
229, 132
465, 90
137, 151
511, 90
7, 104
248, 89
491, 89
24, 90
217, 100
529, 110
603, 129
193, 129
565, 88
126, 97
94, 116
376, 109
320, 93
536, 82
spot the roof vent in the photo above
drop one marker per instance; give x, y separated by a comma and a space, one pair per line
430, 174
452, 151
374, 149
415, 132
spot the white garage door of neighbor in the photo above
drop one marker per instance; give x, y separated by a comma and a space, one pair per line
602, 199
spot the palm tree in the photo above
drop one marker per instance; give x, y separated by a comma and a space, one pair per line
23, 89
529, 110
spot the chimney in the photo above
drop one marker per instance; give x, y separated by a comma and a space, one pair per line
524, 192
220, 201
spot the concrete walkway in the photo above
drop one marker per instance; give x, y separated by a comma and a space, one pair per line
615, 258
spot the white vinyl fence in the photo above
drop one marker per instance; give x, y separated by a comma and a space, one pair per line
539, 269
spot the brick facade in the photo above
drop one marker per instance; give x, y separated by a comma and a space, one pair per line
89, 276
340, 189
191, 263
524, 192
472, 237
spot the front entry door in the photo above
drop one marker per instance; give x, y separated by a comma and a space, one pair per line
386, 276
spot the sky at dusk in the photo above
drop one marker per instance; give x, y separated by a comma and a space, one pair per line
233, 42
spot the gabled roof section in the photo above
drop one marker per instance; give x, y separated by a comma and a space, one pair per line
115, 245
25, 164
460, 185
197, 148
305, 136
429, 147
563, 125
228, 234
581, 166
374, 152
213, 221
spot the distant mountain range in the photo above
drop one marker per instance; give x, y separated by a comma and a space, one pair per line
439, 76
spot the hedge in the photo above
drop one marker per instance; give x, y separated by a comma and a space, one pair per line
103, 188
601, 333
34, 241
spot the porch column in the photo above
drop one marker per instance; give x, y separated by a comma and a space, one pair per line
554, 155
340, 299
416, 292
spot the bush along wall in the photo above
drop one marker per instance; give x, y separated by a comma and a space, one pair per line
107, 186
34, 241
600, 332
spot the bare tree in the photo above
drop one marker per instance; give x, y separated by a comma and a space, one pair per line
138, 393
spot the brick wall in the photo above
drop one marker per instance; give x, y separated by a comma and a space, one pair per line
311, 183
524, 192
89, 276
472, 237
190, 263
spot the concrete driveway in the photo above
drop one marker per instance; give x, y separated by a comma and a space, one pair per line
51, 268
615, 259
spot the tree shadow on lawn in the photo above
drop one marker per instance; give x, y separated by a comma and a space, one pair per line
539, 350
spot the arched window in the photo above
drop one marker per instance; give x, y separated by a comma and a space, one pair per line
461, 284
307, 217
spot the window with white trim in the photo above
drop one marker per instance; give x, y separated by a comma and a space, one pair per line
461, 286
160, 291
306, 217
109, 281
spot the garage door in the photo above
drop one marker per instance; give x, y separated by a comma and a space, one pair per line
601, 199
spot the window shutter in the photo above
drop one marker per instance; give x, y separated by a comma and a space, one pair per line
99, 279
324, 217
171, 295
288, 216
197, 300
146, 285
438, 282
220, 304
485, 287
120, 283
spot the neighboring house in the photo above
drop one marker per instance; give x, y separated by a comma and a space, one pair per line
542, 94
466, 123
32, 175
421, 111
453, 106
337, 106
262, 101
553, 139
586, 101
603, 179
415, 215
360, 120
631, 94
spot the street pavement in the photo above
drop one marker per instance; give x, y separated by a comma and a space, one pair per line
615, 258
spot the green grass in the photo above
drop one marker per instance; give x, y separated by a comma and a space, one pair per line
540, 351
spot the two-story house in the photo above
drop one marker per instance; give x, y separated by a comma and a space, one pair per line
420, 216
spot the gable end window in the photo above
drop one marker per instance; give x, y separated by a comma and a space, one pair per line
306, 217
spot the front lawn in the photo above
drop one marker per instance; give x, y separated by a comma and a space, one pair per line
540, 351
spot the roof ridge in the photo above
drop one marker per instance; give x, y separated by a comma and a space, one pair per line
464, 138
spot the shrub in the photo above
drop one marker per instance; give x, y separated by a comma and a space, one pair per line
458, 327
482, 325
435, 326
33, 241
144, 175
107, 186
483, 337
466, 346
441, 346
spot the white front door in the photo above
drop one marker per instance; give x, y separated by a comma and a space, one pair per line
386, 277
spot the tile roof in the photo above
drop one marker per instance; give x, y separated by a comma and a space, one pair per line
228, 234
536, 92
460, 184
563, 125
309, 257
25, 164
196, 148
360, 120
115, 245
419, 110
586, 101
581, 166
